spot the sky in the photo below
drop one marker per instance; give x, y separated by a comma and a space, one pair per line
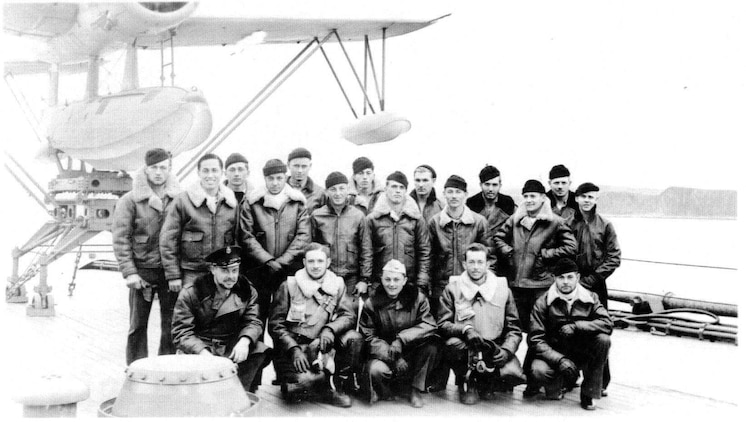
639, 94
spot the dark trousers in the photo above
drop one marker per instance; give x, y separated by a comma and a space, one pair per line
524, 301
603, 295
589, 353
137, 336
421, 360
248, 369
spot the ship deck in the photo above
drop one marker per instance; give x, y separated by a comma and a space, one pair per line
86, 339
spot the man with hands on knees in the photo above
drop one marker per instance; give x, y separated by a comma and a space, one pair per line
570, 331
400, 334
312, 324
218, 315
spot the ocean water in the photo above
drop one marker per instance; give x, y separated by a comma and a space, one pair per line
695, 243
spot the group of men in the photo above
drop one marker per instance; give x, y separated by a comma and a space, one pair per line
364, 288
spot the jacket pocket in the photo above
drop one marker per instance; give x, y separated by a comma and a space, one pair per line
140, 246
191, 244
352, 257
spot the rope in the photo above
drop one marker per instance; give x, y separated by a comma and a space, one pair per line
681, 265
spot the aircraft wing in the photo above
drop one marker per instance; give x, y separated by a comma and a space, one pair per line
205, 31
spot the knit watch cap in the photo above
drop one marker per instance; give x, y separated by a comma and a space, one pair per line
299, 153
361, 164
585, 188
236, 158
455, 181
429, 168
274, 166
558, 171
533, 185
398, 177
488, 173
156, 155
335, 178
564, 266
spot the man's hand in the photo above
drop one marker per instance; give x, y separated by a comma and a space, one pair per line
568, 330
361, 288
300, 361
401, 366
501, 357
274, 266
174, 285
134, 281
473, 339
589, 281
395, 350
569, 371
205, 352
241, 350
326, 339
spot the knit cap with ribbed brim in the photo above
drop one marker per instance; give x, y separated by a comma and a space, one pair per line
335, 178
455, 181
361, 164
564, 266
274, 166
236, 158
398, 177
585, 188
533, 185
558, 171
299, 153
156, 155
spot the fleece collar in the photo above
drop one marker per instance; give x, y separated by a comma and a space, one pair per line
141, 190
466, 218
247, 186
262, 192
583, 294
410, 208
205, 286
198, 195
405, 300
431, 197
488, 289
330, 284
545, 213
352, 187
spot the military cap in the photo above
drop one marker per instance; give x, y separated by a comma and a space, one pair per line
395, 266
225, 256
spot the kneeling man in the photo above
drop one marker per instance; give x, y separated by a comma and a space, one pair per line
401, 336
312, 321
218, 315
479, 320
569, 330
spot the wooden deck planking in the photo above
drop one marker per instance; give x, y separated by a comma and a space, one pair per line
87, 338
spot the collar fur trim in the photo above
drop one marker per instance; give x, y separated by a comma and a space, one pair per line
198, 195
292, 194
205, 286
352, 187
584, 295
141, 189
545, 212
330, 284
466, 218
406, 298
382, 207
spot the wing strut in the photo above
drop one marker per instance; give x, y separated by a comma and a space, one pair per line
255, 102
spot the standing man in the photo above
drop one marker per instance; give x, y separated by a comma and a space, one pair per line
396, 230
365, 189
273, 230
138, 218
451, 232
570, 331
299, 163
494, 206
312, 316
202, 219
424, 192
218, 315
342, 228
237, 175
562, 198
598, 250
477, 314
400, 333
533, 240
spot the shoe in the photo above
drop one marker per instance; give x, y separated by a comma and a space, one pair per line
468, 396
531, 391
415, 398
555, 395
337, 399
604, 393
487, 395
373, 397
587, 402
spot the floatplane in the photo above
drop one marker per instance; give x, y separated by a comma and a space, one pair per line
95, 141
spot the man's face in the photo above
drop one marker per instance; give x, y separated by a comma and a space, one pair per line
566, 282
395, 192
423, 182
210, 173
237, 174
275, 183
225, 277
158, 172
316, 263
299, 168
533, 201
560, 186
454, 197
476, 264
364, 179
393, 283
490, 188
587, 201
337, 194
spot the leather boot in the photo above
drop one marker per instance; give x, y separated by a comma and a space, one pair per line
415, 398
470, 396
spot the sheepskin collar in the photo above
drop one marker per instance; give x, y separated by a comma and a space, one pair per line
352, 187
330, 284
410, 209
206, 287
431, 197
198, 195
488, 289
141, 190
405, 300
247, 186
262, 192
545, 213
466, 218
